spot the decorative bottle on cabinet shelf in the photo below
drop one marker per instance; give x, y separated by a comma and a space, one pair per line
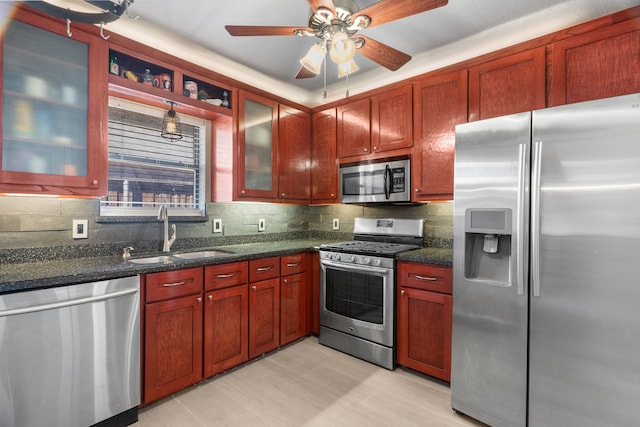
147, 78
114, 68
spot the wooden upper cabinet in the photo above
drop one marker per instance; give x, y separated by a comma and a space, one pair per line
294, 171
391, 124
507, 85
354, 128
324, 159
54, 96
256, 174
440, 103
598, 64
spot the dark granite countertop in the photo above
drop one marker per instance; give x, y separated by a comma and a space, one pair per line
33, 275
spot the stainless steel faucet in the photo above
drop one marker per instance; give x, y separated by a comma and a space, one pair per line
166, 241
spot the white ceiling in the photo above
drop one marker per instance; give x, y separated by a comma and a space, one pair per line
194, 30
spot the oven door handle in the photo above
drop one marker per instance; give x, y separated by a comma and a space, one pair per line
354, 267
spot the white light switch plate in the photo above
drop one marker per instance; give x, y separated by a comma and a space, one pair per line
336, 224
261, 224
217, 225
80, 229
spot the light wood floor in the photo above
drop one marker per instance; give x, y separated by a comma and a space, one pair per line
308, 384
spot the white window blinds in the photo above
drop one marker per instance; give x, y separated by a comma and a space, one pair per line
147, 171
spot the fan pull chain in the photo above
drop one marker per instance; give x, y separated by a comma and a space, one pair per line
347, 94
324, 65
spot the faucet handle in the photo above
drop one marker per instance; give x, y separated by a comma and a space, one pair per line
125, 252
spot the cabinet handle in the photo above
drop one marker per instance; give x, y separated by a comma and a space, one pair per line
262, 269
426, 278
210, 297
199, 299
285, 280
253, 288
226, 276
297, 264
402, 292
173, 285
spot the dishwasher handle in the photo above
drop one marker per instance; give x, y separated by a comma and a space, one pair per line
67, 303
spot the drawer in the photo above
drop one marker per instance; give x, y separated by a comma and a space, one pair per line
429, 277
293, 264
225, 275
171, 284
264, 268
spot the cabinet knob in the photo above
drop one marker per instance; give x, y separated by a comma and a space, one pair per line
402, 292
199, 299
417, 190
254, 288
333, 195
374, 148
210, 297
94, 182
283, 195
366, 149
242, 192
285, 280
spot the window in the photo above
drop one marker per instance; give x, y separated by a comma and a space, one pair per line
146, 171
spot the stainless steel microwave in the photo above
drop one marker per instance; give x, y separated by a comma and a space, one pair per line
386, 181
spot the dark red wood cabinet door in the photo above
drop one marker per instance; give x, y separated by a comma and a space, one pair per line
508, 85
595, 65
391, 120
293, 308
324, 158
264, 317
173, 346
294, 151
226, 329
354, 128
440, 103
424, 332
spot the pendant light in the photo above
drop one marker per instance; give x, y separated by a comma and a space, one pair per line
171, 128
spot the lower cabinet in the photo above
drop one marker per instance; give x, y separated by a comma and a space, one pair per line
173, 332
294, 298
424, 318
199, 321
226, 317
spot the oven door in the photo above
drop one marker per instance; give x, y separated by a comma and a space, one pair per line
358, 300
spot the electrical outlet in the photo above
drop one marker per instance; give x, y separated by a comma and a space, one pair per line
261, 224
80, 229
217, 225
336, 224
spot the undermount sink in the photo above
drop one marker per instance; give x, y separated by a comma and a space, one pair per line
162, 259
201, 254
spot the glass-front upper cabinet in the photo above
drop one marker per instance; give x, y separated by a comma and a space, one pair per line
258, 139
52, 119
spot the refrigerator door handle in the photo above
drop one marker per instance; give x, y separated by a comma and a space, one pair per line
535, 217
523, 161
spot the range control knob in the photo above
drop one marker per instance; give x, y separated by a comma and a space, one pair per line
376, 261
352, 258
336, 257
366, 260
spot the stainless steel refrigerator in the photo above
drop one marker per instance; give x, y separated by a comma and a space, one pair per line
546, 293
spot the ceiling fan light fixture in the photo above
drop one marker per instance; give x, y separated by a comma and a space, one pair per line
346, 68
312, 61
342, 48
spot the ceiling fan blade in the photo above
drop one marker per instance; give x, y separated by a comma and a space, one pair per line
327, 4
382, 54
305, 74
250, 30
390, 10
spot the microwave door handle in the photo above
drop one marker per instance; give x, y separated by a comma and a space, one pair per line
388, 178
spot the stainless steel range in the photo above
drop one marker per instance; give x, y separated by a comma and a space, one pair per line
357, 287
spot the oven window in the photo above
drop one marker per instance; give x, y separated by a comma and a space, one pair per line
355, 295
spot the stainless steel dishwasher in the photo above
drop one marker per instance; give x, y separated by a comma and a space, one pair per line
70, 355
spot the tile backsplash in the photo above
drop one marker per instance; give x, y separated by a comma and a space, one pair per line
45, 222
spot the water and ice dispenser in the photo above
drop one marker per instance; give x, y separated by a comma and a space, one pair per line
488, 245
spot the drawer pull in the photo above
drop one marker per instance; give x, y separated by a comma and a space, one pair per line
173, 285
426, 278
261, 269
226, 276
297, 264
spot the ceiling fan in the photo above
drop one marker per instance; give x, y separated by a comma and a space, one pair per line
337, 23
